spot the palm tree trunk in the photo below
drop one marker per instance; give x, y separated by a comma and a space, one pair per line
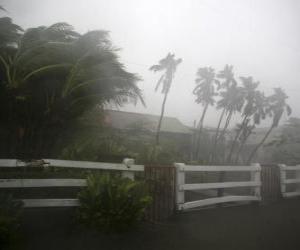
160, 119
226, 124
242, 145
225, 127
259, 145
241, 148
200, 130
216, 136
236, 138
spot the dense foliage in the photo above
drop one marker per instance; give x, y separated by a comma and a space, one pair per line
50, 76
111, 203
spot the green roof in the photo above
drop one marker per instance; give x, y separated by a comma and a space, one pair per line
129, 120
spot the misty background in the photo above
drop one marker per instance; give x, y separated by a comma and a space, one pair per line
259, 38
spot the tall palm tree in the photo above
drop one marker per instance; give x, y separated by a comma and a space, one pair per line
233, 100
277, 106
227, 76
205, 93
168, 65
249, 88
260, 104
52, 77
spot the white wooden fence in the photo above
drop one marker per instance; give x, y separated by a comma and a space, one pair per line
181, 186
284, 181
127, 167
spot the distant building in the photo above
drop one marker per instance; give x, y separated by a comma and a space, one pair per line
144, 122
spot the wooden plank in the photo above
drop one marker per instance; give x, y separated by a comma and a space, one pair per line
11, 163
76, 164
282, 168
211, 201
290, 181
50, 203
297, 168
94, 165
26, 183
221, 168
256, 177
180, 181
220, 185
291, 194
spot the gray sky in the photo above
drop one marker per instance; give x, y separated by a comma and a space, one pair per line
260, 38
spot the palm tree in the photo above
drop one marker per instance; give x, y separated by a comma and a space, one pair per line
259, 106
246, 131
227, 76
205, 93
249, 88
52, 76
233, 100
168, 65
277, 106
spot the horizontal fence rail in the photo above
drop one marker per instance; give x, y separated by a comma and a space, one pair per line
181, 186
127, 168
28, 183
284, 181
128, 164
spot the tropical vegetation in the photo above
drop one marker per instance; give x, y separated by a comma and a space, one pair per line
110, 203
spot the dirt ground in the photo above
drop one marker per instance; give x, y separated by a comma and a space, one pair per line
275, 226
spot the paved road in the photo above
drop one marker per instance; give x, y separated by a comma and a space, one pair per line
270, 227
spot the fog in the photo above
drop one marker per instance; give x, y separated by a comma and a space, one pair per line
259, 38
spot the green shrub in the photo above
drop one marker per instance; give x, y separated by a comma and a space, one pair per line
10, 211
111, 203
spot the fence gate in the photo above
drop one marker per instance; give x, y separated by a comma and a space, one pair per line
270, 188
161, 183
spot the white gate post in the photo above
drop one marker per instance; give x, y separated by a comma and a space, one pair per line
256, 177
128, 174
282, 178
180, 180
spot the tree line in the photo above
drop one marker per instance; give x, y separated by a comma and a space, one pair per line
51, 75
231, 96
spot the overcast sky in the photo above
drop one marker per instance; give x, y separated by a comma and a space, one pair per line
260, 38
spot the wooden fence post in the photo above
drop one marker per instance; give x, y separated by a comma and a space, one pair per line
128, 174
180, 180
282, 178
256, 177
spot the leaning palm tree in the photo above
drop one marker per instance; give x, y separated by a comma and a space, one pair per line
245, 131
168, 65
260, 104
249, 88
227, 76
205, 93
51, 77
277, 106
233, 100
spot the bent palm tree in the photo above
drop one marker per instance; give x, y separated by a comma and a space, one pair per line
52, 77
277, 106
168, 65
227, 76
260, 104
205, 93
249, 87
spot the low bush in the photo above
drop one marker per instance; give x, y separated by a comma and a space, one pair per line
111, 203
10, 211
